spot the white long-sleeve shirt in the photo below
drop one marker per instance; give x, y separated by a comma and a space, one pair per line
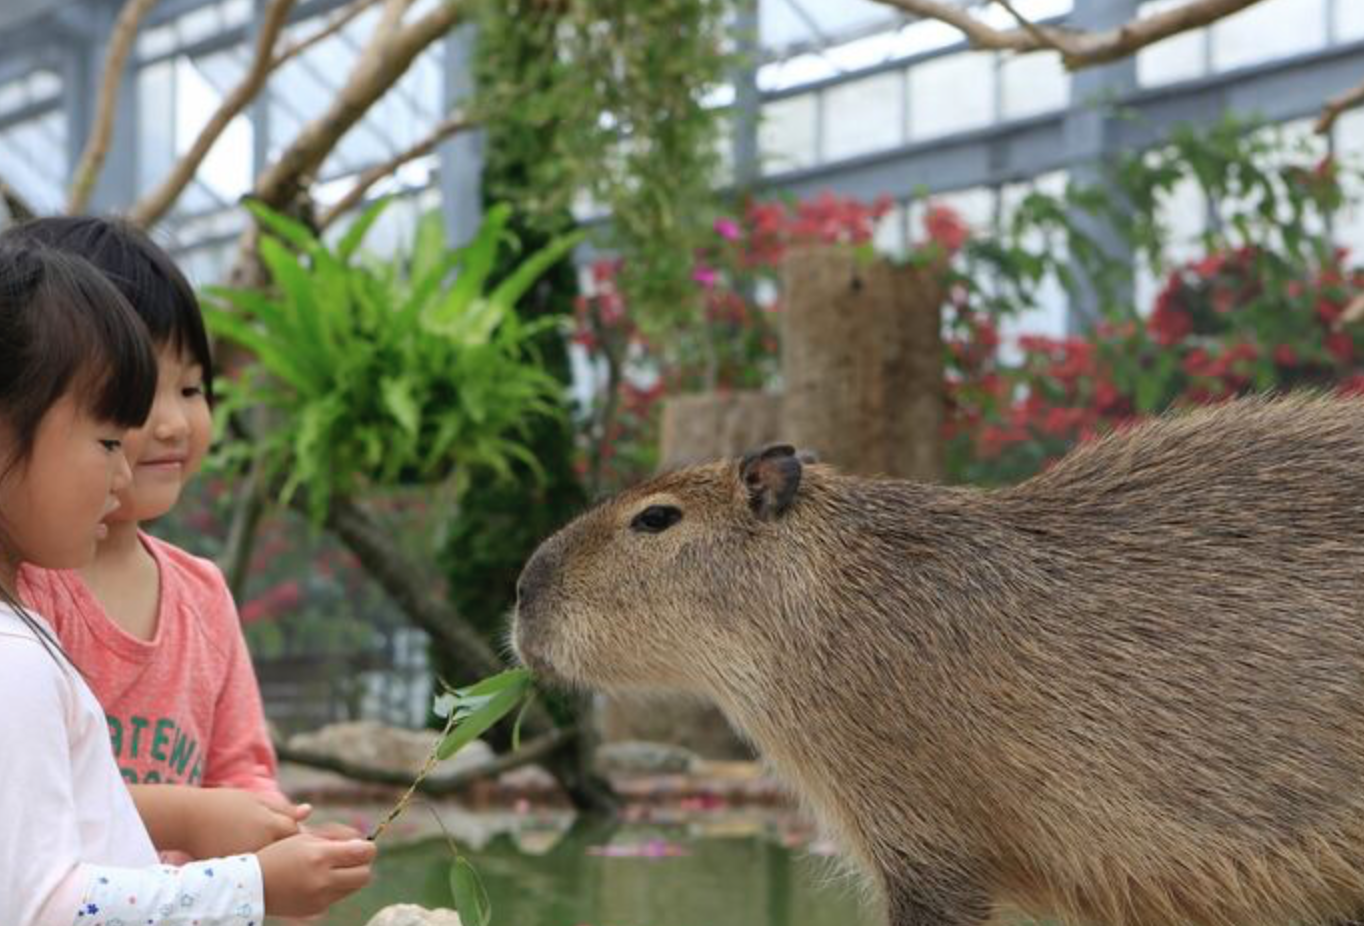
73, 851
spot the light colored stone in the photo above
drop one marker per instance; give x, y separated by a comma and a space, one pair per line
406, 914
636, 757
372, 744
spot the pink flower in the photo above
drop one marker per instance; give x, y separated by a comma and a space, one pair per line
706, 276
727, 229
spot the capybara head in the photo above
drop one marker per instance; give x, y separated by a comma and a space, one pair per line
685, 552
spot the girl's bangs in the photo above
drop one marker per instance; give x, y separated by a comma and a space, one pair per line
96, 344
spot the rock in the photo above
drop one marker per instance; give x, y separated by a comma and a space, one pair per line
406, 914
635, 757
527, 779
369, 743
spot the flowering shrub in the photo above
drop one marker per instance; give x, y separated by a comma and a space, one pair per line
733, 340
1272, 304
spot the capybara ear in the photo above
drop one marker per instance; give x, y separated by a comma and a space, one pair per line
771, 477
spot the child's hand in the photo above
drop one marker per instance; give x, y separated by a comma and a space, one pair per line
306, 874
229, 821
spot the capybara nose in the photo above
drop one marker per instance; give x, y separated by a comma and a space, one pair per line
533, 579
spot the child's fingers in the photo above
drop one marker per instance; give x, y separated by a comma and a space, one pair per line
335, 831
282, 805
349, 880
351, 854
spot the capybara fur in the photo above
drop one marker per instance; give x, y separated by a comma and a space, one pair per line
1127, 691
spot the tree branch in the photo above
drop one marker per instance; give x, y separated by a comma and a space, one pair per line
436, 785
1078, 49
373, 175
97, 146
378, 67
1336, 106
1031, 27
338, 22
149, 209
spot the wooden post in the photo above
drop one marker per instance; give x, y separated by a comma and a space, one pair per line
862, 361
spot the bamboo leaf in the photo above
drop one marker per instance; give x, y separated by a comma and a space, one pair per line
471, 897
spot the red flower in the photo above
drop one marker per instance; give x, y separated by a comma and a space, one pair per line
1341, 346
1169, 325
946, 228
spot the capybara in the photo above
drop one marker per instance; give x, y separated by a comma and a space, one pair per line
1127, 691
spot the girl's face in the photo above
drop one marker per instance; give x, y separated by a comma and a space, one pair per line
55, 502
166, 451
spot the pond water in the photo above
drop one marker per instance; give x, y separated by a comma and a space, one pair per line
715, 871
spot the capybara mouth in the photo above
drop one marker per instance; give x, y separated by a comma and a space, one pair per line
531, 656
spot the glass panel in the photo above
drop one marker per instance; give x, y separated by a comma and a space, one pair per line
33, 160
1180, 57
43, 85
786, 136
782, 23
1268, 30
1349, 20
1349, 222
199, 24
12, 95
156, 128
153, 43
951, 94
794, 72
226, 172
925, 35
236, 12
1032, 84
866, 115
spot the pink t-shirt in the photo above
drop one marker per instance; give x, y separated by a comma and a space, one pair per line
184, 707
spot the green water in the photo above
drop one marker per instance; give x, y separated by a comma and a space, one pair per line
706, 874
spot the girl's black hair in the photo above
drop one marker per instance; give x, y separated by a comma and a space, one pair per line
142, 271
64, 328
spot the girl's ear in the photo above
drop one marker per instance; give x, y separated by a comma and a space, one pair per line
771, 477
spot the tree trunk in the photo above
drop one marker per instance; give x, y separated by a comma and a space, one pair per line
696, 428
862, 362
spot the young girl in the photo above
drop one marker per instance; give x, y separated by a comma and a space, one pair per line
153, 628
76, 370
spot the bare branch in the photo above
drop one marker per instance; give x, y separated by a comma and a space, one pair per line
338, 22
97, 146
378, 67
1078, 49
149, 209
1031, 27
437, 785
1336, 106
373, 175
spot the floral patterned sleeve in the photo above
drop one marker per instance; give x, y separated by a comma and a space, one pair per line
217, 892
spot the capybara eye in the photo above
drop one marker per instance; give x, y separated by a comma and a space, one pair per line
656, 519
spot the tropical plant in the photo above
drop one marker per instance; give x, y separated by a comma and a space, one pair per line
384, 374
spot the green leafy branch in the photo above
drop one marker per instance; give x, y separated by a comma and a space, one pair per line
469, 713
